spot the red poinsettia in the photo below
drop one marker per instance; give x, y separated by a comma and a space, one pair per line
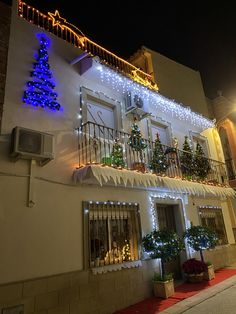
194, 266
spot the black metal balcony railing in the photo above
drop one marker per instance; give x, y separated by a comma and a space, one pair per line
96, 143
231, 168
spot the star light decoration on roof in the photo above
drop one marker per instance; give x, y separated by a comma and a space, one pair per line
57, 19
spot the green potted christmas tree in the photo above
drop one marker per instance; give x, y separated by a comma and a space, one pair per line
201, 163
136, 142
201, 238
117, 158
166, 245
158, 162
186, 159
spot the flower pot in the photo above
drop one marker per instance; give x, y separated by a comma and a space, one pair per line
193, 278
139, 166
163, 289
210, 273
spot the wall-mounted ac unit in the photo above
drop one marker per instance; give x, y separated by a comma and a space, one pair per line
30, 144
135, 104
133, 101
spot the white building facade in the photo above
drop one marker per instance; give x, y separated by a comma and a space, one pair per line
72, 218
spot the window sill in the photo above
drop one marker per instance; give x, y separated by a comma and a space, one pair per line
115, 267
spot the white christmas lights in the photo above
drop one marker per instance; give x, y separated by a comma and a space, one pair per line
123, 84
154, 197
209, 207
112, 203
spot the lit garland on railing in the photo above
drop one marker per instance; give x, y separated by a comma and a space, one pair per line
122, 84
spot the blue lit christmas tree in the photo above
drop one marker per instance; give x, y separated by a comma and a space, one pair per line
40, 89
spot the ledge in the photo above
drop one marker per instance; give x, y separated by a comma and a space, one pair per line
115, 267
104, 175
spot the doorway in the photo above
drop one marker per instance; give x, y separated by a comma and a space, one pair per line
168, 217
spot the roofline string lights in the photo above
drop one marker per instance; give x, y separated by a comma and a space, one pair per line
122, 84
138, 81
73, 35
57, 20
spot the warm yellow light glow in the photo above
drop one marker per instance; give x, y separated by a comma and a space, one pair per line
89, 46
137, 78
63, 24
57, 19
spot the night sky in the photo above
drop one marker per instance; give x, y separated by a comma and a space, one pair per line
199, 34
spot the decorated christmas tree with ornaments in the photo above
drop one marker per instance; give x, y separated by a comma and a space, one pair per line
136, 142
159, 162
201, 163
117, 158
187, 159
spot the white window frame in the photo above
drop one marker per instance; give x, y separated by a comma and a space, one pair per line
201, 138
88, 95
163, 124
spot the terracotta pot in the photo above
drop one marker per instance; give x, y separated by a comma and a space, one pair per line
140, 166
163, 289
193, 278
210, 273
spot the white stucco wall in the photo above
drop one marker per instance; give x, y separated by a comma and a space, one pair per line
47, 238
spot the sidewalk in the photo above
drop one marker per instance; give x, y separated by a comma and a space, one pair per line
192, 304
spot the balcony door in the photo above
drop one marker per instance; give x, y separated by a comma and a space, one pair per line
102, 115
167, 219
163, 132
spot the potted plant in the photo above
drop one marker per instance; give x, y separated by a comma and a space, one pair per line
166, 245
209, 274
201, 238
194, 269
138, 145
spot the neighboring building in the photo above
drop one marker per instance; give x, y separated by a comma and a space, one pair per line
224, 111
78, 190
175, 81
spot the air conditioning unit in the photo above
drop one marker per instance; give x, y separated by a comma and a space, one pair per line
30, 144
135, 104
133, 101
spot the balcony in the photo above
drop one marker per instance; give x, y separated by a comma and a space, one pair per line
97, 147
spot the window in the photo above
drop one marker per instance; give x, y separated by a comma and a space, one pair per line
102, 115
100, 109
113, 233
163, 129
213, 218
202, 140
